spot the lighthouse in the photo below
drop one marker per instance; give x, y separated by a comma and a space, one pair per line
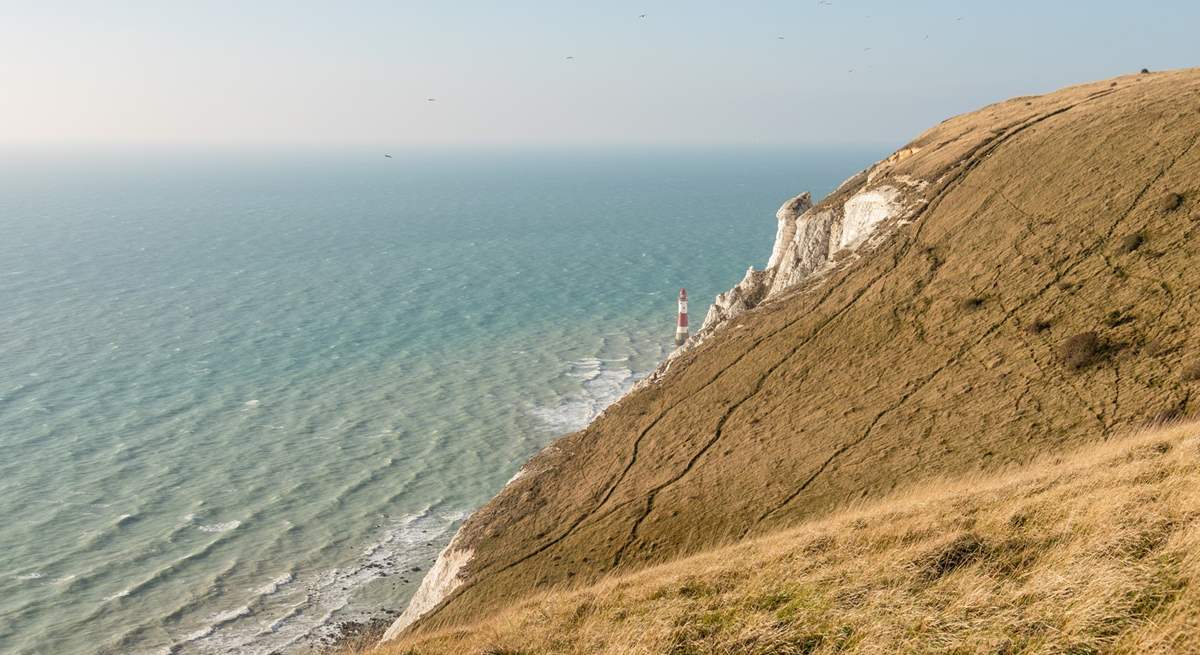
681, 329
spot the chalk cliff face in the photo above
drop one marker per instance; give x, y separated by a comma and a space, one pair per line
1015, 281
755, 287
808, 241
440, 581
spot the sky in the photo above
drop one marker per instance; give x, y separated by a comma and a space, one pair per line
519, 73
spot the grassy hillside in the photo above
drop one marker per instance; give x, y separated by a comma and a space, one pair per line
1094, 551
1041, 292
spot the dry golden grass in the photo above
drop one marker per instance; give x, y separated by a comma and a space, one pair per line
1091, 552
939, 352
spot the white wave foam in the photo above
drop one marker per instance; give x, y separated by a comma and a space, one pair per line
220, 527
226, 617
120, 594
286, 616
274, 585
193, 637
601, 385
408, 541
215, 621
36, 575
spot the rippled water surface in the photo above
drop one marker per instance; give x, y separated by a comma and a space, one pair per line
243, 396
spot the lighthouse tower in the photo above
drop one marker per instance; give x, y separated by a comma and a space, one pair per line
681, 330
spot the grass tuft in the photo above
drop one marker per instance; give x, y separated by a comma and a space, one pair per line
1117, 318
1082, 350
944, 559
1130, 243
1170, 202
972, 303
1038, 326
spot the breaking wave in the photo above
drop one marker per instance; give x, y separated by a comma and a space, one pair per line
305, 608
602, 382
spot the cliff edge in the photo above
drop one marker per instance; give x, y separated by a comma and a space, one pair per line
1015, 281
1033, 560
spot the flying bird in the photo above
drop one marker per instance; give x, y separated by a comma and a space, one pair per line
569, 58
387, 155
781, 38
641, 15
430, 99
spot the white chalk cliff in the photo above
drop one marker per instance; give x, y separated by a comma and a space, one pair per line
442, 579
809, 241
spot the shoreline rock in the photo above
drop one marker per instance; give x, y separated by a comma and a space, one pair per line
439, 582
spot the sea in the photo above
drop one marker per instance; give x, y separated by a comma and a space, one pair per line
248, 395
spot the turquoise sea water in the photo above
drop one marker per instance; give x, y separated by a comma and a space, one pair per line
243, 396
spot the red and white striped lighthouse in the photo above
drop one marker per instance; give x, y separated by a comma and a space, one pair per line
681, 330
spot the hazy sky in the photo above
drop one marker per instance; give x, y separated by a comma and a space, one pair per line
690, 72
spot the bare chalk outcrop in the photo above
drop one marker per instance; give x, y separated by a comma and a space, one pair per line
808, 241
441, 580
